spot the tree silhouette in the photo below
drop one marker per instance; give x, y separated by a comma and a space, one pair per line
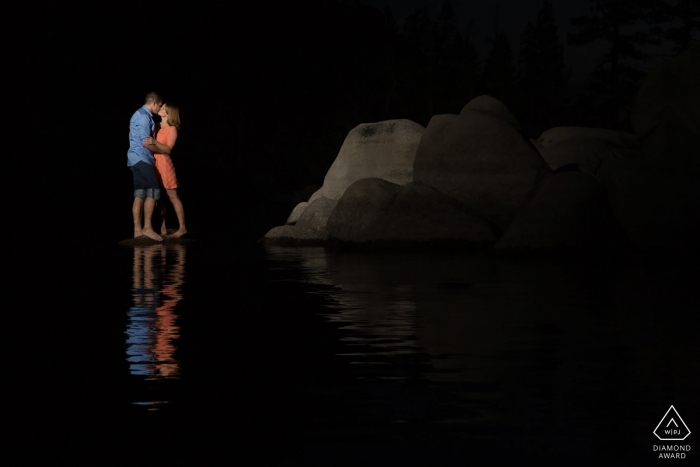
430, 67
614, 80
470, 59
455, 67
389, 65
498, 78
419, 33
542, 75
527, 70
676, 23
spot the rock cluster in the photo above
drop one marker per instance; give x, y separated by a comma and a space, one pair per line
481, 159
373, 209
475, 178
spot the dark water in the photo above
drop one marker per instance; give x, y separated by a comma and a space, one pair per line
218, 353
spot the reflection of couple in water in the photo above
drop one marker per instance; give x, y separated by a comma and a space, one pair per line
149, 159
152, 324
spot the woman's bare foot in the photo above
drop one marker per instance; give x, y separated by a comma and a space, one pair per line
163, 230
181, 231
150, 233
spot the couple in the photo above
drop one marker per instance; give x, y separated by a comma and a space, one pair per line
149, 160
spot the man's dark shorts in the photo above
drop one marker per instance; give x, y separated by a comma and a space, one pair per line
145, 181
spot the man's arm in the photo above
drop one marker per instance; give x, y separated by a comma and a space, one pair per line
140, 129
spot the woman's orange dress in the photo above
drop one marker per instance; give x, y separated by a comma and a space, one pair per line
164, 164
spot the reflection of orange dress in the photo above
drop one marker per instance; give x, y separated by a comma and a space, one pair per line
163, 347
164, 164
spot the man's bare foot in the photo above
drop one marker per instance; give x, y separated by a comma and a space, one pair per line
138, 233
150, 233
179, 233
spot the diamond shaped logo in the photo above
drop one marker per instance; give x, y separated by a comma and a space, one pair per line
672, 427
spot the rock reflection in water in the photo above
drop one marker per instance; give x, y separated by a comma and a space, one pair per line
377, 318
529, 344
152, 329
459, 311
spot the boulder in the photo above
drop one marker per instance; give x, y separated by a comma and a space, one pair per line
586, 153
480, 159
359, 212
316, 214
383, 150
487, 105
565, 213
294, 235
613, 138
310, 227
308, 191
657, 205
316, 195
420, 212
666, 111
376, 210
296, 213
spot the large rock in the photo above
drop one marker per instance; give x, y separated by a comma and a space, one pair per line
310, 227
383, 150
315, 216
377, 210
294, 235
420, 212
657, 205
567, 212
586, 153
487, 105
296, 213
359, 213
315, 195
613, 138
481, 159
666, 111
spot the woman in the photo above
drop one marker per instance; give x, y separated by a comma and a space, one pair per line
165, 141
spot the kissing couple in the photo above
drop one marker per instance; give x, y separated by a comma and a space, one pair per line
149, 159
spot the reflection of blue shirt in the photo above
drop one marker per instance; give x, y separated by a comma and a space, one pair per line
140, 127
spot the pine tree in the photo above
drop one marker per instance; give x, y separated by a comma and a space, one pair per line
527, 77
389, 20
498, 78
614, 80
447, 29
451, 76
542, 73
470, 61
428, 68
390, 66
675, 23
419, 33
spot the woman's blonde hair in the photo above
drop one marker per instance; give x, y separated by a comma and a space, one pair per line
173, 114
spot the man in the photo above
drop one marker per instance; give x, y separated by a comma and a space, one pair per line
141, 162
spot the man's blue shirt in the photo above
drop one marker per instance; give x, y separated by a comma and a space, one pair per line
140, 127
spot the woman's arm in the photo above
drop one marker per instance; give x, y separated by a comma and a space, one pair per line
155, 147
160, 148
